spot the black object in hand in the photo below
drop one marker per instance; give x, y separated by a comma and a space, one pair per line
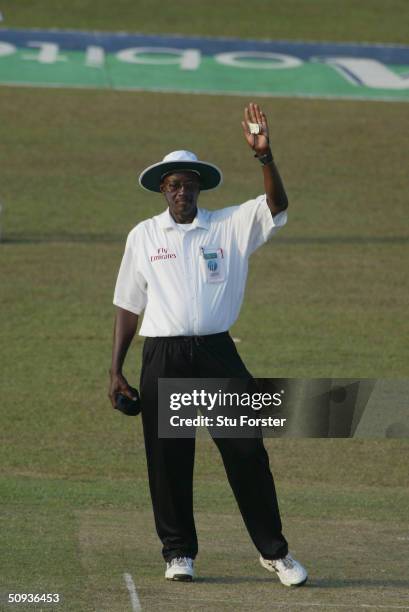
128, 406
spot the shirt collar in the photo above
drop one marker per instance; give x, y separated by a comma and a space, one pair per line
200, 221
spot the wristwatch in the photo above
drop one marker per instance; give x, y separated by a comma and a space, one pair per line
266, 158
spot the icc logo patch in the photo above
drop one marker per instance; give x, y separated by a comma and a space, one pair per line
212, 265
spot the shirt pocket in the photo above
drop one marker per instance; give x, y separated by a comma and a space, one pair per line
212, 264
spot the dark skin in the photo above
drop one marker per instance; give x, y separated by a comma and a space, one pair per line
181, 191
273, 185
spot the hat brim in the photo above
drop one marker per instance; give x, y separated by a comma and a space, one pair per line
210, 175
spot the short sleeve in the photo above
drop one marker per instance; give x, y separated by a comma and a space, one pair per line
254, 224
130, 289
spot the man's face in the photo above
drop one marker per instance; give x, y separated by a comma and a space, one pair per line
181, 191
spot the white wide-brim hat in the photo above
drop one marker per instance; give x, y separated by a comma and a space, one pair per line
179, 161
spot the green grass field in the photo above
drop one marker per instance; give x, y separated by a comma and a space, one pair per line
327, 298
348, 20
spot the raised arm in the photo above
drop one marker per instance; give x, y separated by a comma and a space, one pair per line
259, 142
126, 323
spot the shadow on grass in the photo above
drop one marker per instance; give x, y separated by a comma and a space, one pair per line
63, 238
324, 583
337, 583
119, 238
232, 579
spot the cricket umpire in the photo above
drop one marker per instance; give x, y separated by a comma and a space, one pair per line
186, 270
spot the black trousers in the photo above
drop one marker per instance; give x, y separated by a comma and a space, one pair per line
170, 461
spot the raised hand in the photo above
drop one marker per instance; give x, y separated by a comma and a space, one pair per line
258, 142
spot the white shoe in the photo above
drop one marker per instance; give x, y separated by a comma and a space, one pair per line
180, 568
289, 571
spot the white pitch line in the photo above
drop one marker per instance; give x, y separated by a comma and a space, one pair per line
281, 604
130, 585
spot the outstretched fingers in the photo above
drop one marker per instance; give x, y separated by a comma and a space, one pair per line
245, 127
247, 134
257, 113
253, 114
264, 120
261, 118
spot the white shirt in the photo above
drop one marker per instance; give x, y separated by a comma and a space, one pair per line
191, 281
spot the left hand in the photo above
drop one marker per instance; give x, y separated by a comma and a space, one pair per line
258, 142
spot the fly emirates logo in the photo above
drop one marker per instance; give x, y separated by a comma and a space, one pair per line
162, 254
